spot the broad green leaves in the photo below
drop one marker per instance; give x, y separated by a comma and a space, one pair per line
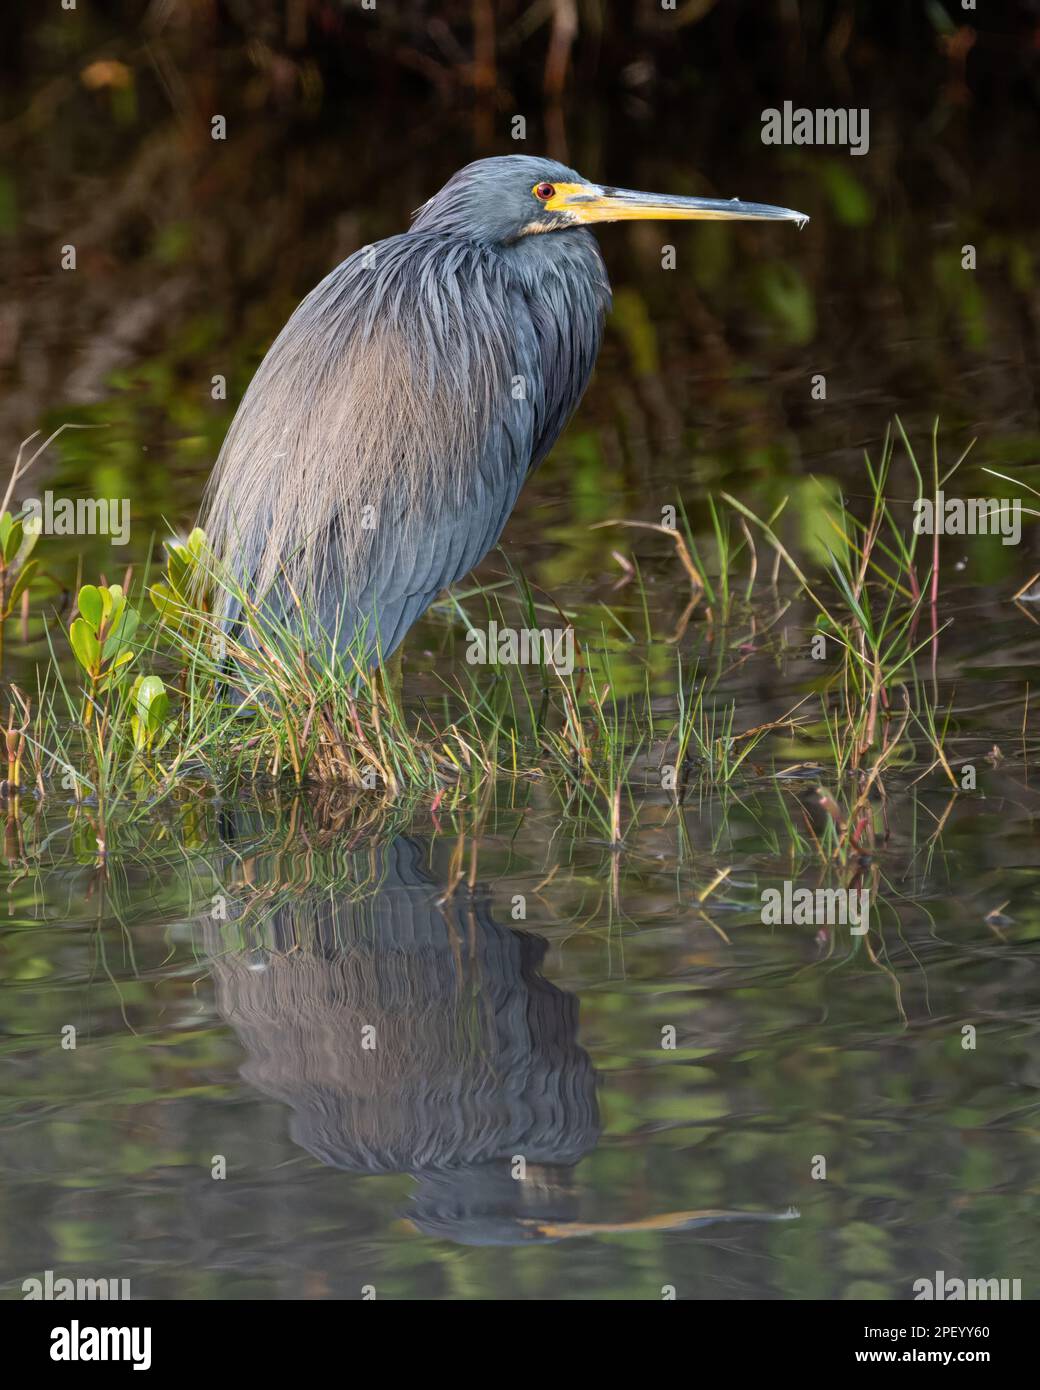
102, 634
149, 720
101, 638
183, 591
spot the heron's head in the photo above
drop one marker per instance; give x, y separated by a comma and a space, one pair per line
513, 196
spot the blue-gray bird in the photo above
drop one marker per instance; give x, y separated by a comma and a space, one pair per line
381, 445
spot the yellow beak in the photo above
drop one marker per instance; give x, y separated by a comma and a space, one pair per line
587, 202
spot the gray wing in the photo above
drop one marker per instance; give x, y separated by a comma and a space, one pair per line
382, 444
554, 312
412, 563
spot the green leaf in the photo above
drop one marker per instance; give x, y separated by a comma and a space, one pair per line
157, 712
178, 567
12, 541
151, 700
85, 645
151, 705
91, 606
161, 596
32, 535
113, 603
114, 672
6, 522
169, 604
21, 583
123, 631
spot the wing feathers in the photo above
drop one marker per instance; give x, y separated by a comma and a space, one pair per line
379, 449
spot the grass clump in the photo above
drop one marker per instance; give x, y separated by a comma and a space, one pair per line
149, 688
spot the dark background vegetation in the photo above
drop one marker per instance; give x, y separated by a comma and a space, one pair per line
191, 252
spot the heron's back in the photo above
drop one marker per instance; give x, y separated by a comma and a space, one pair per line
380, 448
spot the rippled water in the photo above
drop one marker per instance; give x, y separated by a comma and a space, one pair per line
222, 970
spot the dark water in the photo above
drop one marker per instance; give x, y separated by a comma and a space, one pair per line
222, 968
223, 1128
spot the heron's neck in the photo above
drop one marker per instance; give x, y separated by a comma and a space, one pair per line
571, 256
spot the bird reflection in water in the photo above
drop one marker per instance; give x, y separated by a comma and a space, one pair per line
409, 1032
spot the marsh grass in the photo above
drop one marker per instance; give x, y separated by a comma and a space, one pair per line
161, 694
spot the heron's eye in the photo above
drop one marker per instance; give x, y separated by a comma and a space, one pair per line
544, 191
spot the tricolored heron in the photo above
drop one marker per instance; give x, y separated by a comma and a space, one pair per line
379, 450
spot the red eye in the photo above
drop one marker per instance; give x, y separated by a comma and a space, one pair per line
544, 191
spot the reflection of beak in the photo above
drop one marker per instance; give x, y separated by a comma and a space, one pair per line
587, 202
669, 1221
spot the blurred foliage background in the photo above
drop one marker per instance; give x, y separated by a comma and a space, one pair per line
341, 120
